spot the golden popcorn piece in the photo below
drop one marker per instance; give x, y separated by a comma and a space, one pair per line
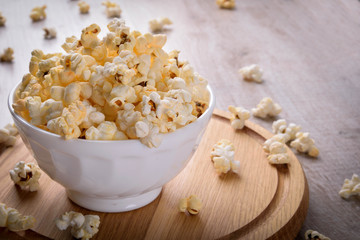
303, 143
222, 156
351, 187
191, 204
314, 235
50, 33
7, 55
2, 20
239, 116
38, 13
227, 4
266, 108
112, 9
276, 138
82, 226
158, 24
8, 135
252, 73
26, 175
278, 154
13, 220
84, 7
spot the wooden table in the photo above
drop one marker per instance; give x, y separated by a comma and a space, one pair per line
309, 50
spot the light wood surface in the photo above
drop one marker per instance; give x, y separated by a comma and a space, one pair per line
309, 50
262, 201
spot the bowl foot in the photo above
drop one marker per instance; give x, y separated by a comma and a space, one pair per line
121, 204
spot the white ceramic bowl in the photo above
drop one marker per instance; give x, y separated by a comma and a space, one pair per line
112, 176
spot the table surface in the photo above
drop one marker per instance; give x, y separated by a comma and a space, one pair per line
309, 51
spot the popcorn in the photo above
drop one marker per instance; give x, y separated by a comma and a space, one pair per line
7, 56
312, 235
84, 7
276, 138
26, 175
191, 204
2, 20
82, 227
265, 108
280, 126
124, 86
278, 154
222, 156
49, 33
157, 25
8, 135
112, 9
13, 220
252, 73
38, 13
303, 143
228, 4
351, 187
239, 115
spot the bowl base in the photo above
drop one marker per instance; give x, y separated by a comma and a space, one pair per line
121, 204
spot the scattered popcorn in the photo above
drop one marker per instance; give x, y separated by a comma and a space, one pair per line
239, 115
112, 9
280, 127
2, 20
157, 25
303, 143
276, 138
222, 156
84, 7
191, 204
82, 227
38, 13
277, 153
314, 235
266, 108
7, 56
228, 4
124, 86
13, 220
49, 33
26, 175
252, 73
8, 135
351, 187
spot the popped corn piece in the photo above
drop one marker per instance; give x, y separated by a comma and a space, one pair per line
252, 73
303, 143
92, 117
152, 139
112, 9
2, 20
7, 56
38, 13
266, 108
50, 109
65, 125
84, 7
280, 126
157, 25
239, 115
50, 33
8, 135
72, 93
314, 235
57, 93
191, 204
278, 154
228, 4
82, 227
351, 187
282, 138
13, 220
105, 131
71, 44
26, 175
222, 156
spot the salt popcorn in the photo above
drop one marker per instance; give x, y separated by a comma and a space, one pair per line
351, 187
26, 175
38, 13
50, 33
13, 220
84, 7
7, 55
266, 108
112, 9
158, 24
239, 116
82, 226
314, 235
280, 127
191, 204
8, 135
303, 143
278, 153
252, 73
222, 156
2, 20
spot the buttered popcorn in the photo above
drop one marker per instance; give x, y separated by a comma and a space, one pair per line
2, 20
26, 175
280, 127
252, 73
276, 149
239, 116
49, 33
351, 187
266, 108
8, 135
158, 24
228, 4
84, 7
7, 56
314, 235
222, 156
191, 204
13, 220
82, 227
303, 143
112, 9
124, 86
38, 13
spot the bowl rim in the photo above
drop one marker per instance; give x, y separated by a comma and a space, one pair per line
11, 97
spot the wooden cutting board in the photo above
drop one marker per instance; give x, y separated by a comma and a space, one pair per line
262, 201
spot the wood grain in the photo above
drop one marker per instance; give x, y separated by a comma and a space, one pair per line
257, 203
309, 50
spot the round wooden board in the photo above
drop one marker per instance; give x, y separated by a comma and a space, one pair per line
262, 201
